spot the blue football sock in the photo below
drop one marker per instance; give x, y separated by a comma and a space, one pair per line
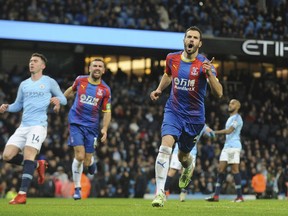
27, 176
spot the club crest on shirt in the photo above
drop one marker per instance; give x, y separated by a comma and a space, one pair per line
194, 71
99, 92
42, 86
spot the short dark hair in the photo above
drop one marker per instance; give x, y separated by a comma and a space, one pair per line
98, 59
194, 28
43, 58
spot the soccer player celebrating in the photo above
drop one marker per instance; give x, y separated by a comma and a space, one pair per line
34, 96
230, 153
92, 95
184, 116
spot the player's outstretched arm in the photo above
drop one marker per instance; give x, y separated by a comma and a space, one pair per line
56, 102
209, 132
106, 122
69, 92
154, 95
57, 92
215, 85
165, 81
225, 131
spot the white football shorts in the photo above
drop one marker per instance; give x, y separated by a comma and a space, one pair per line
231, 155
175, 163
32, 136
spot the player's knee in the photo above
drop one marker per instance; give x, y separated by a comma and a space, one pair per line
7, 156
80, 157
235, 171
221, 170
183, 157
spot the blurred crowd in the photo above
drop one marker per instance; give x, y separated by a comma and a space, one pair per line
125, 164
262, 19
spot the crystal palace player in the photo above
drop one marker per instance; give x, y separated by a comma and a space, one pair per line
184, 117
92, 95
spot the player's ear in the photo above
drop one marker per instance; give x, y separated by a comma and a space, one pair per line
200, 44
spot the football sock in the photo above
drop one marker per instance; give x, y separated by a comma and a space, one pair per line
237, 179
187, 187
77, 169
92, 161
220, 179
183, 190
27, 176
17, 159
161, 167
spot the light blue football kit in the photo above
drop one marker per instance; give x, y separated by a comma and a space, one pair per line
232, 146
34, 98
233, 139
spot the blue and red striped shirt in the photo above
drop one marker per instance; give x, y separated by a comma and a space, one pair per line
89, 101
189, 84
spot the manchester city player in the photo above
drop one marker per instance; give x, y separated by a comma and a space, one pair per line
230, 153
33, 97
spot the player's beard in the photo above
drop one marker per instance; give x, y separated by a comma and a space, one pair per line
96, 76
231, 110
191, 51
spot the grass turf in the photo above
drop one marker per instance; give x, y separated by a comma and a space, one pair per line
141, 207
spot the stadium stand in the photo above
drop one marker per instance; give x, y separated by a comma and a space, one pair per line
237, 19
126, 164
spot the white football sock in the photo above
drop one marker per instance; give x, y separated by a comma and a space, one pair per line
77, 169
161, 167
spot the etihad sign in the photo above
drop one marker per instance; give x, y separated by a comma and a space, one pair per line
265, 48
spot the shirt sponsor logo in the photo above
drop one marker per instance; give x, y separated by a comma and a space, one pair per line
33, 94
89, 100
184, 84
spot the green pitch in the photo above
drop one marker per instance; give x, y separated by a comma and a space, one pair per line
141, 207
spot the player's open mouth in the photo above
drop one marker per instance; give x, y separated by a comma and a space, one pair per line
190, 46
